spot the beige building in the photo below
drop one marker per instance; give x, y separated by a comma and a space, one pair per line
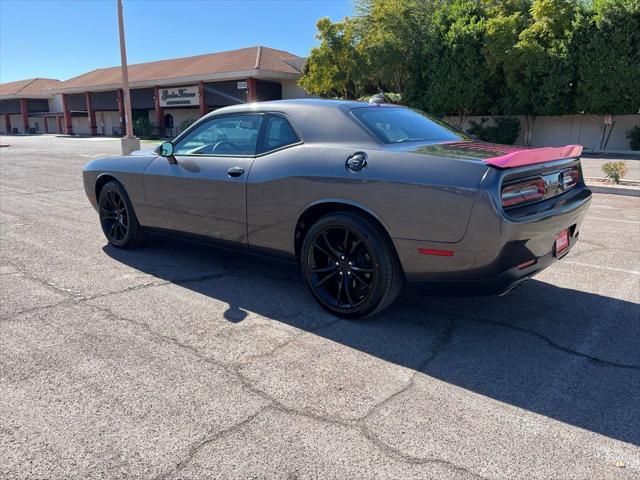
27, 106
171, 93
168, 93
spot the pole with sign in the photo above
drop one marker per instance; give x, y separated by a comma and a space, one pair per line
129, 142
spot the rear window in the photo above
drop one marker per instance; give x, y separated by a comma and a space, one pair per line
399, 125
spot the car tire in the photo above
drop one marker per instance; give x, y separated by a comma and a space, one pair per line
350, 265
117, 217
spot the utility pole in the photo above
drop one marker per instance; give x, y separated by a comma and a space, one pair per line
129, 142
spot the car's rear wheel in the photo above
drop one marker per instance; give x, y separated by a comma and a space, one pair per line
117, 218
350, 266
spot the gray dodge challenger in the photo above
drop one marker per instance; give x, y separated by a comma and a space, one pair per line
364, 196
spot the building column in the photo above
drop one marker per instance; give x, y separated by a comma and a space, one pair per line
252, 92
159, 111
25, 114
46, 125
121, 110
7, 122
67, 116
91, 115
59, 120
203, 103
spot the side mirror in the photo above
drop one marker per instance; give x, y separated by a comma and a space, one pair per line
165, 150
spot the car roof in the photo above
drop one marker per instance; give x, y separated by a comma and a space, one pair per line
312, 103
317, 120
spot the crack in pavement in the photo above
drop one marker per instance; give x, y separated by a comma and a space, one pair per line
208, 438
443, 340
594, 360
75, 297
233, 369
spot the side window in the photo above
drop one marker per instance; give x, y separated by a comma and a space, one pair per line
278, 133
228, 135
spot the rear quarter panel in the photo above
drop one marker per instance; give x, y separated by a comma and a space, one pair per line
415, 196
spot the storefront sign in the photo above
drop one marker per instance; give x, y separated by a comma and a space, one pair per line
180, 96
242, 85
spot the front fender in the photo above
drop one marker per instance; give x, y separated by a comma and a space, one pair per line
127, 170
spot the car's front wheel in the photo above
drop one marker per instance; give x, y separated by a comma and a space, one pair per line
117, 218
350, 265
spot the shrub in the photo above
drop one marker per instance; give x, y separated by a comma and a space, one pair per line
634, 138
614, 171
389, 97
505, 130
142, 127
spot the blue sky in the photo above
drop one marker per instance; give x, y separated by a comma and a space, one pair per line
62, 39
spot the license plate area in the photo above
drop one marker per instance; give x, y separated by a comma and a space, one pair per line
561, 243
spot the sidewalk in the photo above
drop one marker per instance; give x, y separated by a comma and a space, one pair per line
592, 167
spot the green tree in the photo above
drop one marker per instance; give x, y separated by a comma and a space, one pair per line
506, 19
392, 32
606, 55
606, 52
337, 67
452, 77
537, 70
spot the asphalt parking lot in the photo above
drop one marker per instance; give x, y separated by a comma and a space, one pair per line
177, 361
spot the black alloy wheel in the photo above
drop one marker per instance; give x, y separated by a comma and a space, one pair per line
349, 266
117, 217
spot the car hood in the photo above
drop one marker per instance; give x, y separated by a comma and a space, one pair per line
144, 153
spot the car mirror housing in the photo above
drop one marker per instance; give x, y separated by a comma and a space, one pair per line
165, 149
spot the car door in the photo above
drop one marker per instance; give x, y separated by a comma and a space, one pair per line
204, 191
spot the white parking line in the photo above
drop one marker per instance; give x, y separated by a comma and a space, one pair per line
601, 267
612, 220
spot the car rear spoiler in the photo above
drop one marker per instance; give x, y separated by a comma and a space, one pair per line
528, 156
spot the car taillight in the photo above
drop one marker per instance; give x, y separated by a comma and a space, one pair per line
527, 191
570, 178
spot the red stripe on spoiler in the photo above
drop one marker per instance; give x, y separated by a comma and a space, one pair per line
531, 156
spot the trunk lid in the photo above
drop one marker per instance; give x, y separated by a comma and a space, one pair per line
496, 155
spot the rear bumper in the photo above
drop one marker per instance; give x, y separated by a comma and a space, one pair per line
489, 260
500, 284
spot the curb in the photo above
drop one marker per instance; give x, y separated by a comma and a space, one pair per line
631, 192
623, 181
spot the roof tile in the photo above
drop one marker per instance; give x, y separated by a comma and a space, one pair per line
24, 88
240, 60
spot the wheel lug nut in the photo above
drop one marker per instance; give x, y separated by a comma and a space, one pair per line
348, 273
350, 263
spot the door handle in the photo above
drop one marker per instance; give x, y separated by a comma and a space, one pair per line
235, 171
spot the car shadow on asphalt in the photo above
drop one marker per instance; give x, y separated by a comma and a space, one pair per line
567, 354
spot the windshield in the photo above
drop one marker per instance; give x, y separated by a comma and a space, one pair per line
399, 125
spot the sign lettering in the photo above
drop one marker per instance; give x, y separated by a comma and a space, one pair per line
180, 96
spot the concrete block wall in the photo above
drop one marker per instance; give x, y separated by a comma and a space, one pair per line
561, 130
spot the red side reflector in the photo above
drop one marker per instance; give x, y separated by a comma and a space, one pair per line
526, 264
433, 251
